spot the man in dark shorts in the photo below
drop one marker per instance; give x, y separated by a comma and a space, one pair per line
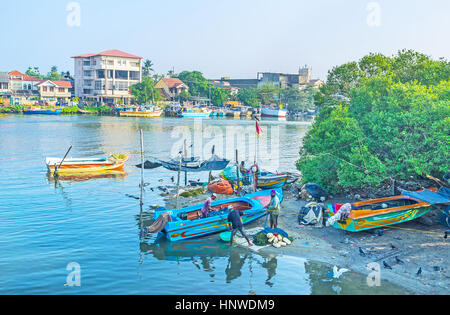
236, 225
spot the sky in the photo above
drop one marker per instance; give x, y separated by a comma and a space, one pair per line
221, 38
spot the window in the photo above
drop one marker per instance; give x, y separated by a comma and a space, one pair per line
121, 75
99, 85
134, 75
44, 89
52, 89
61, 90
100, 74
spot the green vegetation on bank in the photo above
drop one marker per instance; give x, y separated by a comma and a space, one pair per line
380, 118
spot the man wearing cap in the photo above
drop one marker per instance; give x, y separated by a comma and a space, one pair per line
274, 209
207, 206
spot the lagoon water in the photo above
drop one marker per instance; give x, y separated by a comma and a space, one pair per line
46, 225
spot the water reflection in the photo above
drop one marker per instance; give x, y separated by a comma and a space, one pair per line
82, 177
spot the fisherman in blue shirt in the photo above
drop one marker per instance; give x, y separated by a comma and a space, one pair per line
236, 225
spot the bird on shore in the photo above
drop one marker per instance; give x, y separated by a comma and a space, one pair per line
386, 265
399, 261
337, 273
446, 234
361, 252
172, 179
419, 272
393, 246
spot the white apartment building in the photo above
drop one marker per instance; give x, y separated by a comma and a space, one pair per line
106, 77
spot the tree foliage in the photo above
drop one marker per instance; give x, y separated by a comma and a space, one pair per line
200, 86
248, 97
395, 125
145, 92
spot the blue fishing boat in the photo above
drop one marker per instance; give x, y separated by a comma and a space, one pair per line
188, 223
40, 111
195, 113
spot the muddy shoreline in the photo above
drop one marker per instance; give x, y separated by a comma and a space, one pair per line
418, 244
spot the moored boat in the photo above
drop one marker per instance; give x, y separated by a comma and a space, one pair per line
83, 165
273, 112
380, 212
195, 113
42, 111
188, 223
271, 181
141, 111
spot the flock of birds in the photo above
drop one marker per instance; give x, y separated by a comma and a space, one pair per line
397, 260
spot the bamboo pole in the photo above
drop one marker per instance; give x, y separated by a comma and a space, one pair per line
185, 156
178, 184
237, 170
142, 177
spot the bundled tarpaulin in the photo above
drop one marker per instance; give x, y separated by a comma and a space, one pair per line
439, 198
194, 165
148, 165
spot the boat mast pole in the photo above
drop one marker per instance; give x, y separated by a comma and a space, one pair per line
178, 183
142, 172
237, 170
185, 156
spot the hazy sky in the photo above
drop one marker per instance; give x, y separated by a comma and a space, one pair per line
235, 38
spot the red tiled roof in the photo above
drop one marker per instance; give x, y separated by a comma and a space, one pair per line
25, 77
59, 83
110, 53
172, 82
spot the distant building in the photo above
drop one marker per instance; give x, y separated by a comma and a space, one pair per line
106, 77
285, 80
59, 91
316, 83
225, 85
241, 83
171, 88
23, 87
5, 92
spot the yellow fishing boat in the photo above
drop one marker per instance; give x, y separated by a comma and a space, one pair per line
77, 166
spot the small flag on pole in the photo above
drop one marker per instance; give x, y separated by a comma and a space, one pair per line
259, 131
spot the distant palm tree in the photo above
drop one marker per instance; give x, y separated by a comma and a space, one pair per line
147, 68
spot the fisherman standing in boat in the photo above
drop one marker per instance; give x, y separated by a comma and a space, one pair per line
236, 225
207, 206
274, 209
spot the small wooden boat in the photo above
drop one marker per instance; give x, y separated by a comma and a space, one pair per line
86, 165
271, 181
381, 212
195, 165
195, 113
141, 111
273, 112
41, 111
188, 223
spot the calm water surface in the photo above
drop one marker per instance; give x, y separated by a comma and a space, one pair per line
45, 225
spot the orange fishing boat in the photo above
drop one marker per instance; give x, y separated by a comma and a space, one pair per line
377, 213
69, 166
